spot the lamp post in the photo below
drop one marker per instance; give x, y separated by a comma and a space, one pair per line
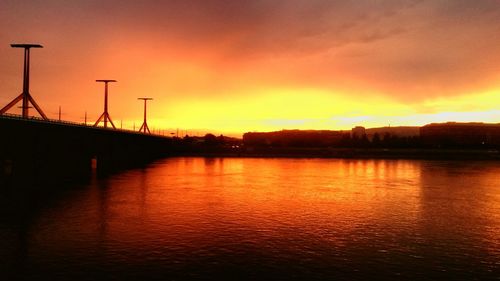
25, 96
144, 127
105, 117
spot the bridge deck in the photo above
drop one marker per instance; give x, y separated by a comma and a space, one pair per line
37, 150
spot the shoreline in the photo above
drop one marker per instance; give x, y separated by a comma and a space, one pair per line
351, 153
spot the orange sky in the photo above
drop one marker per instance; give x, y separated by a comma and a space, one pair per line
234, 66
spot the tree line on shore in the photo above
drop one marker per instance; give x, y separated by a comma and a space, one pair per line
323, 139
330, 139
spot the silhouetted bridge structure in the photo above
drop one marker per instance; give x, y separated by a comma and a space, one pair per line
35, 150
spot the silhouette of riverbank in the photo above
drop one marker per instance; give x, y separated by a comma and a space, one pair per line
447, 142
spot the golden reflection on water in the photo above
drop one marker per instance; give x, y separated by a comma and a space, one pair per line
181, 208
314, 195
463, 199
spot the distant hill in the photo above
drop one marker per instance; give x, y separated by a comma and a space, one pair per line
400, 131
325, 138
300, 138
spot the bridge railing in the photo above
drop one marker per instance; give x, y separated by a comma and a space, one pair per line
63, 122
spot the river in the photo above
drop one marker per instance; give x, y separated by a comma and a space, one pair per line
261, 219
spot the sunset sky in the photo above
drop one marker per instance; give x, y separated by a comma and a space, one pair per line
230, 66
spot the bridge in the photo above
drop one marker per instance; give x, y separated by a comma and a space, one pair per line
36, 150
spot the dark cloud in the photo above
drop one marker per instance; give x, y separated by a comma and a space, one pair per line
410, 50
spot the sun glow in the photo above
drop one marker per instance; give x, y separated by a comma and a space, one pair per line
278, 109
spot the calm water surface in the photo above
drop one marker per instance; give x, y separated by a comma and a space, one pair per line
261, 219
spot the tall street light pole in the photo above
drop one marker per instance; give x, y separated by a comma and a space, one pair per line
144, 128
25, 96
105, 117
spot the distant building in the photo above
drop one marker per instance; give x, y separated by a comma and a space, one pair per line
293, 138
358, 132
461, 134
399, 131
